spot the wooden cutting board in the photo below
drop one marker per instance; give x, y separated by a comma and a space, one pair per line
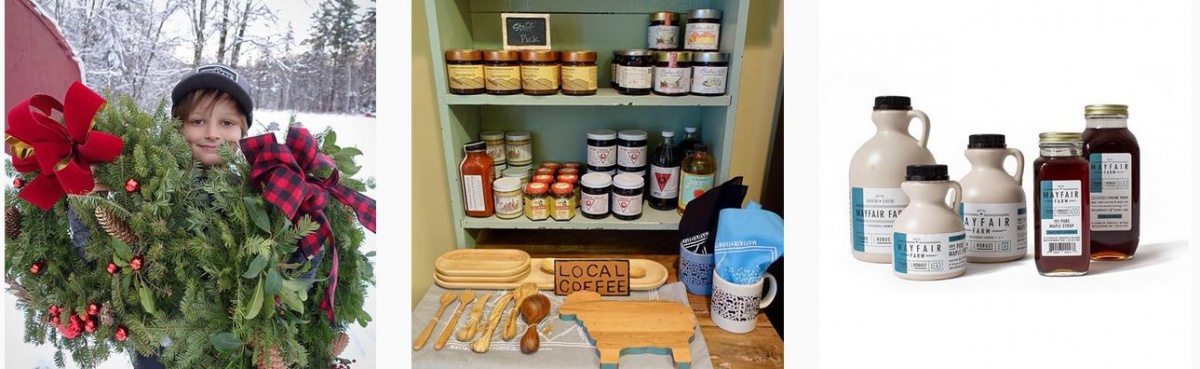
655, 276
482, 263
633, 327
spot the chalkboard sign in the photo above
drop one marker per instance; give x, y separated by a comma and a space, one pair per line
526, 31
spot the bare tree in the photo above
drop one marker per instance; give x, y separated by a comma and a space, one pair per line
198, 14
222, 31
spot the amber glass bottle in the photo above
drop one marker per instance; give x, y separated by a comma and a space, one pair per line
1115, 182
1060, 175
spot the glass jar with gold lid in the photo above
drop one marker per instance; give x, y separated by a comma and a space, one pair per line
464, 71
502, 72
579, 74
539, 72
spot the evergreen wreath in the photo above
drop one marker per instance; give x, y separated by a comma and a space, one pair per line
183, 261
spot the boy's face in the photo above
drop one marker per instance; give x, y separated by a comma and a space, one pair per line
205, 130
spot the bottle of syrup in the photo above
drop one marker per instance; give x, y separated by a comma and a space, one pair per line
993, 207
1115, 182
698, 174
1061, 246
664, 175
876, 172
690, 139
475, 175
928, 238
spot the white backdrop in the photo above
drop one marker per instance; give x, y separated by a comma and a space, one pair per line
1016, 68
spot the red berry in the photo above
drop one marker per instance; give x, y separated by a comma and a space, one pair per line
18, 183
136, 263
122, 334
93, 309
90, 326
132, 185
112, 268
36, 267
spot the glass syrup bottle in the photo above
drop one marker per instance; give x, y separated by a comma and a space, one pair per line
1062, 246
664, 175
1115, 159
698, 175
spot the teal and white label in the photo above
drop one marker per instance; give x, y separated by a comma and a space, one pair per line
1061, 214
692, 186
995, 229
872, 213
1111, 186
929, 253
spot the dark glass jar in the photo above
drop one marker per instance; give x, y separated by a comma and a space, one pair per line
703, 30
594, 197
636, 71
672, 73
1062, 234
709, 73
601, 150
663, 33
579, 74
631, 150
502, 72
464, 71
627, 196
1115, 181
616, 61
539, 72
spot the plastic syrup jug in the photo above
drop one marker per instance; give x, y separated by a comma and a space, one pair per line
993, 205
929, 241
876, 171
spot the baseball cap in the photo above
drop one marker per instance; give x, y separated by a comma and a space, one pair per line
218, 77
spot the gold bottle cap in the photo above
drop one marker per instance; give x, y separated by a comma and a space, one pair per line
668, 17
1064, 137
501, 55
1106, 109
539, 55
577, 56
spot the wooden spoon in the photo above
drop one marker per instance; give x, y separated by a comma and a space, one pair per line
447, 298
467, 333
510, 326
463, 300
482, 344
635, 272
535, 308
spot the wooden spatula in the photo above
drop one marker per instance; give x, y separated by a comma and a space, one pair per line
447, 298
463, 300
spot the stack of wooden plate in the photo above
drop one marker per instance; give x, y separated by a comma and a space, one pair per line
507, 269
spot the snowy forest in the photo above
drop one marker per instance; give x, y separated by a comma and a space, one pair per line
143, 47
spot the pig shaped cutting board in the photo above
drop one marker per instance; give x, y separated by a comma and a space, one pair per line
632, 327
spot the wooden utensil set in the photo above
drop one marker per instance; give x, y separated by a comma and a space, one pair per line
475, 326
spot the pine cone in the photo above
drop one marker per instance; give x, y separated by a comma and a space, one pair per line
339, 344
114, 226
271, 359
106, 318
12, 222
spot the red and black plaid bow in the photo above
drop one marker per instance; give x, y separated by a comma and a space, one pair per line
282, 172
61, 153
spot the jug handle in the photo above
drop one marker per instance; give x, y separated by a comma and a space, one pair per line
924, 125
1016, 154
957, 196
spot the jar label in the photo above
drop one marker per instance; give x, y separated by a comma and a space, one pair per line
473, 192
709, 80
563, 208
509, 204
539, 77
579, 78
594, 204
1061, 204
929, 253
636, 77
602, 156
496, 151
631, 156
616, 73
703, 36
872, 213
1111, 187
692, 186
498, 170
502, 78
519, 153
626, 205
537, 208
664, 182
465, 77
672, 80
663, 37
995, 229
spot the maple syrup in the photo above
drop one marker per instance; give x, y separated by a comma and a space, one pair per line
1115, 182
664, 175
1061, 246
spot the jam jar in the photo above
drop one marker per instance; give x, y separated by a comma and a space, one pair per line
509, 200
579, 74
495, 149
537, 201
502, 72
519, 147
601, 150
631, 150
672, 73
627, 196
464, 71
594, 194
663, 33
563, 207
709, 73
539, 72
703, 30
636, 71
616, 60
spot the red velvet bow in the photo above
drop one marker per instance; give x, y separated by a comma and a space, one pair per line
62, 152
281, 171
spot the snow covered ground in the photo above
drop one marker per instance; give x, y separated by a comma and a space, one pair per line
352, 130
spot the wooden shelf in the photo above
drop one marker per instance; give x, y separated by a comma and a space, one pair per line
603, 97
651, 220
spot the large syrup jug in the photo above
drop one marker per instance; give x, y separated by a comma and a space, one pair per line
876, 172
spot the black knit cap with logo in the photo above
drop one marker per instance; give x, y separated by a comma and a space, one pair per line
218, 77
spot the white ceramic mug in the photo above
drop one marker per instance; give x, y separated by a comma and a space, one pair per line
735, 306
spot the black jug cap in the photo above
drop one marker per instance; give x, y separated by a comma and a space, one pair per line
893, 103
936, 172
699, 147
987, 141
475, 146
